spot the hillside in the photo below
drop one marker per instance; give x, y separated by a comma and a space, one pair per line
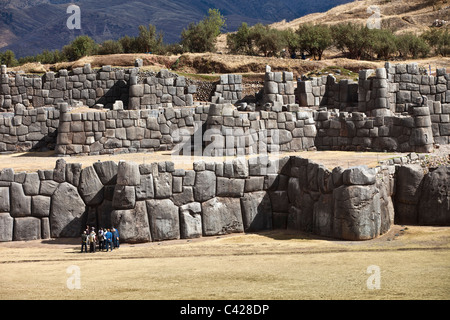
30, 26
399, 15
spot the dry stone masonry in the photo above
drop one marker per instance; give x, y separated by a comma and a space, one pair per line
157, 201
396, 108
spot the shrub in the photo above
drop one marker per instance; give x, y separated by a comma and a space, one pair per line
201, 37
439, 40
110, 47
80, 47
410, 44
8, 58
314, 39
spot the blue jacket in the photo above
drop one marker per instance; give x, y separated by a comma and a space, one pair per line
108, 236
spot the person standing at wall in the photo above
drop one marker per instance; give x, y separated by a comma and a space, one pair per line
101, 239
108, 239
115, 234
84, 239
92, 241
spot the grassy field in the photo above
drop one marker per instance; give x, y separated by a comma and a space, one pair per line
413, 262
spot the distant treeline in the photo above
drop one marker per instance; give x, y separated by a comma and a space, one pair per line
355, 42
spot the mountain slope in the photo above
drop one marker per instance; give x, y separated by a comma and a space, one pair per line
30, 26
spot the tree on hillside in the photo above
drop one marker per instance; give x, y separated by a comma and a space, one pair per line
352, 39
439, 40
110, 47
8, 58
80, 47
241, 41
314, 39
269, 41
410, 44
148, 40
201, 37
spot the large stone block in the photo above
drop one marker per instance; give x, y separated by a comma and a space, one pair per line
145, 189
4, 199
90, 186
191, 220
133, 224
40, 206
204, 186
256, 211
323, 216
6, 227
222, 216
128, 173
124, 197
434, 203
360, 175
106, 171
164, 219
27, 228
230, 187
31, 184
20, 203
67, 210
163, 185
356, 212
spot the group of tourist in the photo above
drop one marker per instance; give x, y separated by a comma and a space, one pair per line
107, 239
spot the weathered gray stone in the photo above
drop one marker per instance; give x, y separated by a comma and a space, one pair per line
434, 203
133, 224
40, 206
48, 187
4, 199
145, 189
6, 227
256, 211
163, 185
59, 173
67, 210
124, 197
360, 175
73, 173
20, 203
128, 173
323, 216
356, 212
31, 184
408, 188
28, 228
221, 216
230, 187
184, 197
90, 187
106, 171
205, 186
164, 219
190, 220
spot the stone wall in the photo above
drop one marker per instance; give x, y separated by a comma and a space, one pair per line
325, 91
25, 130
392, 89
163, 90
126, 131
230, 132
155, 202
279, 88
228, 89
81, 85
355, 131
